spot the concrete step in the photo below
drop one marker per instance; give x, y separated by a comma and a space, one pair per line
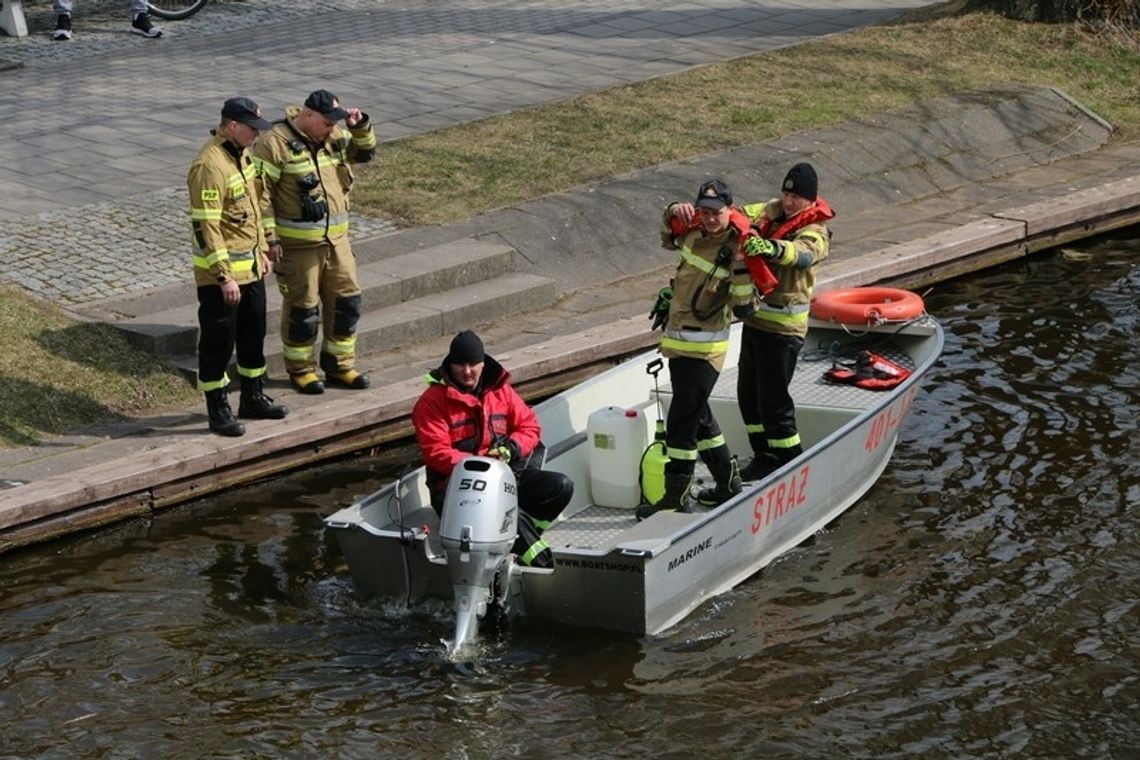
165, 323
426, 317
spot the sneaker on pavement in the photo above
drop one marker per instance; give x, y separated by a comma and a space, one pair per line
141, 25
62, 27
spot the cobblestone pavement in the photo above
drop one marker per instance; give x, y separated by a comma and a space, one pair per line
96, 133
74, 256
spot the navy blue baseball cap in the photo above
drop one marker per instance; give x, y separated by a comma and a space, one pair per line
326, 104
245, 111
713, 194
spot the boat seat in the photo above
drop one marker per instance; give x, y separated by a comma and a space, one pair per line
12, 18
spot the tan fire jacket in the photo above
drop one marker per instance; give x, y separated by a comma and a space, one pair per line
709, 281
284, 157
226, 206
808, 243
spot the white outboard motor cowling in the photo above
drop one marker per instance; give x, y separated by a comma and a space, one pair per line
478, 529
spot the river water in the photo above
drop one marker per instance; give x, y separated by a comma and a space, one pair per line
980, 601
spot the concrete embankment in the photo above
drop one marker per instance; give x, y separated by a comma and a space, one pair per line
924, 193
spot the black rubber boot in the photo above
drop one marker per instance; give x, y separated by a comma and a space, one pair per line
728, 484
762, 462
255, 405
767, 462
675, 498
783, 456
222, 419
758, 442
761, 465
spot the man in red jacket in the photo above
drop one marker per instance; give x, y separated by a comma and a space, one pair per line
470, 409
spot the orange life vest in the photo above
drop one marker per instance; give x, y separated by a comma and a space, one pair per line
819, 213
761, 273
871, 371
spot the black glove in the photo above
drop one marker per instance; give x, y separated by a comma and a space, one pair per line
744, 310
660, 311
514, 453
313, 209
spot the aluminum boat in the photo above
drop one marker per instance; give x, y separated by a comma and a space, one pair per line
614, 572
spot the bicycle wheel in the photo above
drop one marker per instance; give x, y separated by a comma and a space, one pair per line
175, 9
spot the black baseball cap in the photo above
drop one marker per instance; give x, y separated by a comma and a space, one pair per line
245, 111
713, 194
326, 104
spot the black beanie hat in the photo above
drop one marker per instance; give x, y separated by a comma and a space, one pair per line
802, 181
466, 348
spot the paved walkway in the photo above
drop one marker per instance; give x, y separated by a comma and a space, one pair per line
96, 133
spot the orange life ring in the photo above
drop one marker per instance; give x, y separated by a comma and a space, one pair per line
867, 306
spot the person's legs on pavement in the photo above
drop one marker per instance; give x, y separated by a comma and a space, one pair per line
140, 20
62, 10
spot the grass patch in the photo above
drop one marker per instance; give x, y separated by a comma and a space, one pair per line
61, 375
454, 173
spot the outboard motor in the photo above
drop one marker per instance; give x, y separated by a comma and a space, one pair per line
478, 529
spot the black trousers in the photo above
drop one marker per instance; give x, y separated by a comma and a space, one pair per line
690, 419
543, 494
222, 327
767, 362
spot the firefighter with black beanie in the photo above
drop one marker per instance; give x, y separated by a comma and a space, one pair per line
794, 240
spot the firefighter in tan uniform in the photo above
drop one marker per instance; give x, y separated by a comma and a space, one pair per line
230, 264
305, 161
794, 241
792, 238
711, 284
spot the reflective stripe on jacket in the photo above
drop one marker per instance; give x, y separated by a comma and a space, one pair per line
226, 206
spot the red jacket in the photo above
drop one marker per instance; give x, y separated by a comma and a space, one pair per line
452, 424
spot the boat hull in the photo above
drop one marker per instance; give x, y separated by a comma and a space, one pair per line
616, 573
